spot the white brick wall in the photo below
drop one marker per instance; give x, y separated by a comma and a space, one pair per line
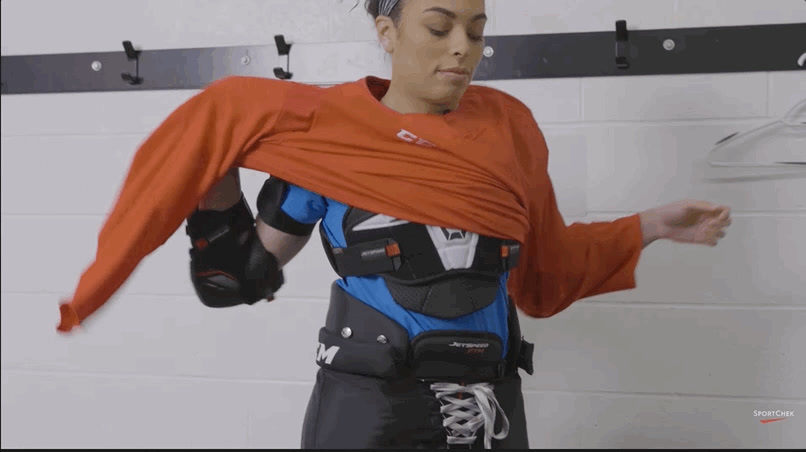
708, 336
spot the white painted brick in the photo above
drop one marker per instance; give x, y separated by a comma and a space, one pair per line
53, 411
787, 89
665, 97
761, 261
349, 21
136, 113
622, 421
634, 167
333, 63
100, 25
276, 413
64, 175
40, 255
574, 16
168, 336
671, 350
568, 168
721, 13
551, 100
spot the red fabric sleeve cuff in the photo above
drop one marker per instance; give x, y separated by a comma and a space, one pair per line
69, 318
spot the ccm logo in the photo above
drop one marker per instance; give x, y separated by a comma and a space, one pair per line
326, 354
405, 135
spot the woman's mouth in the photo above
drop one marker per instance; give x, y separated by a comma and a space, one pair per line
453, 76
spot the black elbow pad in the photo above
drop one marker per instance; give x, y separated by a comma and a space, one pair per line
229, 265
257, 277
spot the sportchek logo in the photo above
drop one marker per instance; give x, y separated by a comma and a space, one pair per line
777, 415
326, 354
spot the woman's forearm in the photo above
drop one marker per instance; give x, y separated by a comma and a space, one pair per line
224, 194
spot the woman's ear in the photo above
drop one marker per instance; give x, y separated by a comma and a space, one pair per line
383, 25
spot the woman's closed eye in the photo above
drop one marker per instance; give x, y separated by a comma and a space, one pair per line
444, 33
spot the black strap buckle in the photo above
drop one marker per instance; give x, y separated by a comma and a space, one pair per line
202, 241
513, 253
524, 358
502, 369
365, 258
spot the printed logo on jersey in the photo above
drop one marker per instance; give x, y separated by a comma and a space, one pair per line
405, 135
326, 354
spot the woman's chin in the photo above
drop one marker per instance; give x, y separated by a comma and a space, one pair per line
448, 94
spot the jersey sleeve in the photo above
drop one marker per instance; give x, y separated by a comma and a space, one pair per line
193, 148
561, 264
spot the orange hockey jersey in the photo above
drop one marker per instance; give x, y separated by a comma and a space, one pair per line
480, 168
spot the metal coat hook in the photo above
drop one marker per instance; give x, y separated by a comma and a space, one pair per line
283, 48
132, 54
622, 45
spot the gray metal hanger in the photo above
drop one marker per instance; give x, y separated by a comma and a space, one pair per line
780, 143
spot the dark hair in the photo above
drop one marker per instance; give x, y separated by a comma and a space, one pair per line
372, 7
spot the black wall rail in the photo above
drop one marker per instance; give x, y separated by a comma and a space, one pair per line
621, 52
752, 48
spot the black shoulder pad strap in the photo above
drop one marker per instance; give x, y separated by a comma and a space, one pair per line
269, 209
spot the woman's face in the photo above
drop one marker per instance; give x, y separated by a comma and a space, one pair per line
435, 35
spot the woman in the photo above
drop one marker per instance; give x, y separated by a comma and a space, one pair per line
421, 347
421, 344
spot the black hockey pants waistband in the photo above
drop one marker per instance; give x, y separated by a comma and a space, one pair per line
358, 339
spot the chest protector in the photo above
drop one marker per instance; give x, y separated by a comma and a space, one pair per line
441, 272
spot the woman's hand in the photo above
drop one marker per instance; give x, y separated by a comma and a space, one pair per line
690, 221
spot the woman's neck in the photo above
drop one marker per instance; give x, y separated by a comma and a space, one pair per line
405, 105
